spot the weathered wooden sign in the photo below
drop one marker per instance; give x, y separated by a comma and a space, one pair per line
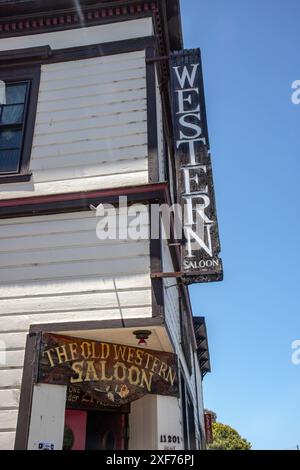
105, 374
208, 421
201, 262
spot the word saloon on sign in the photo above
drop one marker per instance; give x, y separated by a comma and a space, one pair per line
109, 374
201, 262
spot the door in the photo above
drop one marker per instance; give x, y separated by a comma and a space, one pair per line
95, 430
75, 430
106, 431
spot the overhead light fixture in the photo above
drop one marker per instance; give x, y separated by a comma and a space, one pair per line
142, 336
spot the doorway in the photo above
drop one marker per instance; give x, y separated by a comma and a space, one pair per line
95, 430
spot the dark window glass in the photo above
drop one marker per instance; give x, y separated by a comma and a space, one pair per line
9, 160
10, 139
12, 116
15, 93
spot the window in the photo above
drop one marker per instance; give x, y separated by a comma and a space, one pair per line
18, 100
12, 113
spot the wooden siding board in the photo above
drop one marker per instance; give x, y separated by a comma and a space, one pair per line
61, 138
8, 419
90, 122
82, 36
43, 263
21, 323
71, 285
100, 301
92, 100
7, 440
86, 90
77, 185
9, 398
92, 110
90, 158
77, 268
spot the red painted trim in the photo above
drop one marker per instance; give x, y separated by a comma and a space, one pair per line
85, 195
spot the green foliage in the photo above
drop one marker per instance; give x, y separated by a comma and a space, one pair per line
227, 438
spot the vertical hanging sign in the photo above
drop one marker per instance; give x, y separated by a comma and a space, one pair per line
200, 257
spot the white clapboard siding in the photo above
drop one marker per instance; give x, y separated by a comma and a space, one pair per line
10, 378
82, 171
38, 288
72, 255
8, 419
76, 136
98, 301
14, 340
54, 269
57, 255
100, 145
9, 398
21, 323
115, 62
41, 242
91, 127
90, 133
82, 184
7, 440
57, 223
13, 358
56, 263
76, 104
90, 122
79, 268
87, 90
91, 158
93, 110
128, 70
82, 36
127, 76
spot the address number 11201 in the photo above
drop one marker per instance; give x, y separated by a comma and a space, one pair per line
168, 439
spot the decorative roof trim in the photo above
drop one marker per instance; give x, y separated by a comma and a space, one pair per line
40, 22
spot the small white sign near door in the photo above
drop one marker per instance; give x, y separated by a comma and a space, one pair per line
44, 446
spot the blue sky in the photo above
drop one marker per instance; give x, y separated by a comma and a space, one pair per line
250, 58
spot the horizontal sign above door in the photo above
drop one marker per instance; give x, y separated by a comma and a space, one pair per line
106, 374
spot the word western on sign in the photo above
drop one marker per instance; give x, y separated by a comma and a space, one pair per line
107, 374
201, 262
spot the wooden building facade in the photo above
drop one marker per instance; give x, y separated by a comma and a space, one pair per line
86, 119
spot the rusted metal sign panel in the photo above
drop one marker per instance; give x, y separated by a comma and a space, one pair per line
208, 420
200, 257
105, 374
